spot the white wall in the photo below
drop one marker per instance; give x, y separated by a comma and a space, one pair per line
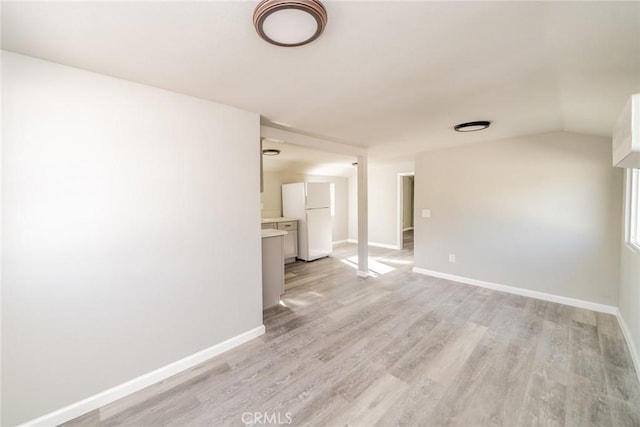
383, 203
540, 213
272, 197
125, 246
629, 297
1, 253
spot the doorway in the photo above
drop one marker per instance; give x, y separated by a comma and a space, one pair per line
406, 211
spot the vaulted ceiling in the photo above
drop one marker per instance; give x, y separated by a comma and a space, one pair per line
392, 76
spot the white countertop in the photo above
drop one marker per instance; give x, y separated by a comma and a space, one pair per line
280, 219
273, 233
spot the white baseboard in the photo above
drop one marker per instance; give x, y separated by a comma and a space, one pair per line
633, 349
339, 242
379, 245
603, 308
108, 396
407, 229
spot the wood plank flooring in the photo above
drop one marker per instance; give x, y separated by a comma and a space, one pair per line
401, 349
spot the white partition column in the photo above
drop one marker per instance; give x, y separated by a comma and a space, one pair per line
363, 218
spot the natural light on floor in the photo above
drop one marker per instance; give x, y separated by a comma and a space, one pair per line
375, 268
395, 261
293, 302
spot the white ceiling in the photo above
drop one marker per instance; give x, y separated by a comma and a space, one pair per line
393, 76
295, 158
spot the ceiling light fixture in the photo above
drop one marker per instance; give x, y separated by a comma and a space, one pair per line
290, 22
270, 152
472, 126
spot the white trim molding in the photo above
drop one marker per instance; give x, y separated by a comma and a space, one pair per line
602, 308
633, 349
118, 392
339, 242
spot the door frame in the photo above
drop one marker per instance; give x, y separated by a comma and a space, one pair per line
400, 228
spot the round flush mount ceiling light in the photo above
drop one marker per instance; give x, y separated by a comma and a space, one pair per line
472, 126
270, 152
290, 22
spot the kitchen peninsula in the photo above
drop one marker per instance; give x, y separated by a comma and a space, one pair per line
272, 267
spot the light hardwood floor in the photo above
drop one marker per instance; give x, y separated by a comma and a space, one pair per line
402, 349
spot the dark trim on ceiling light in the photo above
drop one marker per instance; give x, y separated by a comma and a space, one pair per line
472, 126
270, 152
267, 7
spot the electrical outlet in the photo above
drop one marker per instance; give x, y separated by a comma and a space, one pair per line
426, 213
452, 257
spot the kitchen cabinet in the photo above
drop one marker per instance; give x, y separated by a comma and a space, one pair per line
290, 240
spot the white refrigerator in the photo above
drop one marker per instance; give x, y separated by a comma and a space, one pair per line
310, 204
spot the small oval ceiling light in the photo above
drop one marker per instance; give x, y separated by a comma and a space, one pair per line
290, 22
472, 126
270, 152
